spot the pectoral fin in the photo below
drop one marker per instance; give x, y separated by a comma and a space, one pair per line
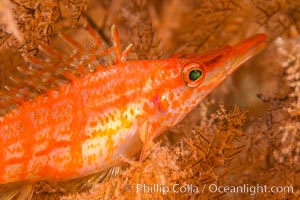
145, 135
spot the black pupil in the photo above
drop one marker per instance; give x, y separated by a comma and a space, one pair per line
195, 74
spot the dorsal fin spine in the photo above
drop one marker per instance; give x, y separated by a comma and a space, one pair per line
72, 42
116, 42
43, 76
126, 52
13, 97
70, 76
51, 51
24, 70
96, 38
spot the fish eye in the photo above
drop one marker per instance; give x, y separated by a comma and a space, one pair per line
193, 74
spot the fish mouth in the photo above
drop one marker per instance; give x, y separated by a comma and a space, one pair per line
244, 51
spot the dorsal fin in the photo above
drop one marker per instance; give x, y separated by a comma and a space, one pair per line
57, 67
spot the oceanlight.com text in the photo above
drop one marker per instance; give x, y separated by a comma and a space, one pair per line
211, 188
250, 189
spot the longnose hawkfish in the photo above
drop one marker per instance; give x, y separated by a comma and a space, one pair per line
78, 114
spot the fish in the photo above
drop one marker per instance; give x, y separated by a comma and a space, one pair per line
77, 114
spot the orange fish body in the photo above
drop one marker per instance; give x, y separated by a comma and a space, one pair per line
92, 122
